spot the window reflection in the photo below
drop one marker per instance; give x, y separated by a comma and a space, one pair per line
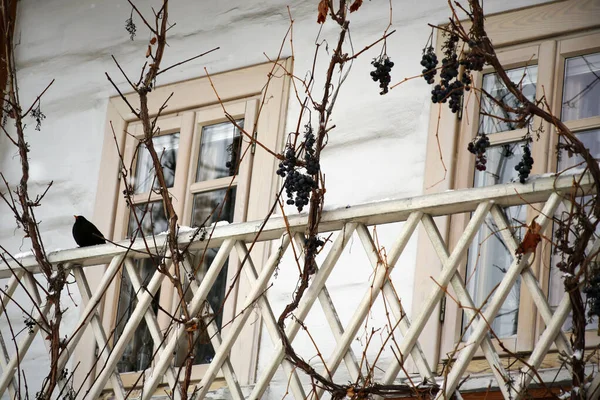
581, 92
494, 119
166, 147
220, 147
213, 206
489, 258
152, 220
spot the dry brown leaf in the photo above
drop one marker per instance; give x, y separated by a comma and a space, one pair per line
191, 326
323, 10
153, 40
350, 392
356, 5
149, 51
531, 239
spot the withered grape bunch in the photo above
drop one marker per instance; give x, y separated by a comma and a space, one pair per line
453, 83
478, 147
526, 163
299, 184
429, 62
383, 66
592, 292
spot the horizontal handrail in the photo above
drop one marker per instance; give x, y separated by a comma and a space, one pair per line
373, 213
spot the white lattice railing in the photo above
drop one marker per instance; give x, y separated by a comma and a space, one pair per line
348, 222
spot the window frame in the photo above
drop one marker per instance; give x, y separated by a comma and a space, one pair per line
267, 84
512, 31
469, 127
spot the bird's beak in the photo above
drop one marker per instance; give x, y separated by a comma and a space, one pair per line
75, 216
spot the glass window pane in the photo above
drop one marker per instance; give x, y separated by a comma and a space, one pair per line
139, 351
166, 148
152, 218
581, 92
219, 151
591, 140
494, 119
208, 208
489, 258
212, 206
203, 349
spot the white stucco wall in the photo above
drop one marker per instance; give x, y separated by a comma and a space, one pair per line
376, 152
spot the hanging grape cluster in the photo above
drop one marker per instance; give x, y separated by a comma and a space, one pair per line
524, 166
452, 83
130, 26
429, 62
478, 147
592, 292
312, 164
298, 184
383, 66
39, 116
472, 59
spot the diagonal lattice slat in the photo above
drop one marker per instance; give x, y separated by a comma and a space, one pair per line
334, 325
99, 335
531, 282
165, 357
481, 327
4, 300
417, 325
144, 301
306, 303
150, 318
469, 307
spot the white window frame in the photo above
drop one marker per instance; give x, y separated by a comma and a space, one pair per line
194, 104
521, 37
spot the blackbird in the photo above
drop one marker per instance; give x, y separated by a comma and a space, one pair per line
85, 233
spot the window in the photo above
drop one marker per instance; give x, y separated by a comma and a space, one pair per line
488, 258
199, 150
209, 191
548, 60
580, 109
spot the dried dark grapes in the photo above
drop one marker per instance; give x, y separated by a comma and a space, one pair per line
299, 185
130, 26
592, 292
429, 62
478, 147
526, 163
383, 66
310, 159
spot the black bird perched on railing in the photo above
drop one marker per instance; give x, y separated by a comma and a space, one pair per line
85, 233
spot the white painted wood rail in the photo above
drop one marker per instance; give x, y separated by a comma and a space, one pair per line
350, 222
